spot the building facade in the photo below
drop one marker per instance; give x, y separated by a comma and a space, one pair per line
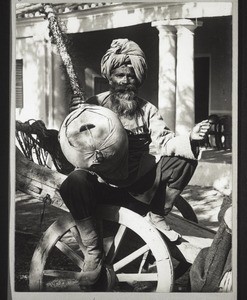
188, 47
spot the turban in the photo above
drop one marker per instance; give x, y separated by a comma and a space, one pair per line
93, 138
123, 51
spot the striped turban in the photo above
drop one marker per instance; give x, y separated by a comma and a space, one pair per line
122, 52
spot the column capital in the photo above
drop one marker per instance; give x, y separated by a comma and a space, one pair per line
177, 23
166, 30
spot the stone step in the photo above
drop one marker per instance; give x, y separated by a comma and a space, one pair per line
215, 174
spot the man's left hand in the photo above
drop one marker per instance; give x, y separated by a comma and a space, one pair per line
199, 131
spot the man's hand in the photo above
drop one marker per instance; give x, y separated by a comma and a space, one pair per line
75, 103
199, 131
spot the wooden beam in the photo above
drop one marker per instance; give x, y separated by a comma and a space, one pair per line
194, 238
38, 181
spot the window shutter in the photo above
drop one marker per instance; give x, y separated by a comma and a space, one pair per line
19, 83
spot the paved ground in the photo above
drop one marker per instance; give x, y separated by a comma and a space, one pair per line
206, 202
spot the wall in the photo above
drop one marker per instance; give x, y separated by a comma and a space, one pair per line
32, 52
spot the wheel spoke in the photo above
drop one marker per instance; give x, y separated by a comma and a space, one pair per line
110, 256
144, 259
70, 253
130, 277
62, 274
129, 258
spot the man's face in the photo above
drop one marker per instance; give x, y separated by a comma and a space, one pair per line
124, 77
123, 87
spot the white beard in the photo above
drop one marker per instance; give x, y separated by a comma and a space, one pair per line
124, 100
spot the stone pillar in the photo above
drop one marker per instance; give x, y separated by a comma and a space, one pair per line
176, 73
185, 98
167, 72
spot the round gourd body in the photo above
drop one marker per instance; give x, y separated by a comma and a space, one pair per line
93, 138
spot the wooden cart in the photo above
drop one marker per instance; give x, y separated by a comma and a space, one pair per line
138, 256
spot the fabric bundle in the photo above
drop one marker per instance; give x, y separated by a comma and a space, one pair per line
93, 138
123, 51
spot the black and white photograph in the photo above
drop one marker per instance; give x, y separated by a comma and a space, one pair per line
124, 143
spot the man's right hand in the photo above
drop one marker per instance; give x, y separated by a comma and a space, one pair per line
75, 103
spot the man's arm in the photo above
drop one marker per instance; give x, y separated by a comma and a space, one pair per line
165, 142
188, 145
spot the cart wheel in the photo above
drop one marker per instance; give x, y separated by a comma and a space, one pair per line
129, 243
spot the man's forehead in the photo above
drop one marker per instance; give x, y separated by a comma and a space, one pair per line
124, 68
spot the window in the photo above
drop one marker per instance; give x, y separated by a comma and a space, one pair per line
19, 83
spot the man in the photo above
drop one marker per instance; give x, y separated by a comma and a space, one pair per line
160, 164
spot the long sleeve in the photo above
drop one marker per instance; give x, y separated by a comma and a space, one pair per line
164, 141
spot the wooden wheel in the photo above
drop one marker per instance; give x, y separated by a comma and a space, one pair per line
137, 258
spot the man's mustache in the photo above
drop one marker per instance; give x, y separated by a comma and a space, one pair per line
123, 87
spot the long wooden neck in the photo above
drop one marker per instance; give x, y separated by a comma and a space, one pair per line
57, 35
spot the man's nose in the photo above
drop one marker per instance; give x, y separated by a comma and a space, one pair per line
124, 79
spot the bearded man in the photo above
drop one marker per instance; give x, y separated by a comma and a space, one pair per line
160, 164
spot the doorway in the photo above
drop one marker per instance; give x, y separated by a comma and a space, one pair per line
202, 83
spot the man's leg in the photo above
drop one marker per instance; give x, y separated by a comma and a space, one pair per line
79, 194
176, 173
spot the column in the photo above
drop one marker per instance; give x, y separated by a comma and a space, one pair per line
185, 98
167, 72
